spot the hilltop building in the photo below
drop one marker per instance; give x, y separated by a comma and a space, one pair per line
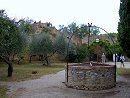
39, 27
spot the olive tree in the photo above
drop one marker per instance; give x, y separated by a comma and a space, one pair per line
43, 45
9, 39
60, 45
25, 29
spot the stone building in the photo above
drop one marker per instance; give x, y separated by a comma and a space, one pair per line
39, 27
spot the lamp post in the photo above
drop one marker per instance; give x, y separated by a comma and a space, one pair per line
89, 26
68, 55
97, 41
89, 31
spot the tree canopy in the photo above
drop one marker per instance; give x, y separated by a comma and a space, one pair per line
9, 39
43, 45
8, 36
79, 30
124, 26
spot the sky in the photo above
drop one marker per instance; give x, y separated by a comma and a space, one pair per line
102, 13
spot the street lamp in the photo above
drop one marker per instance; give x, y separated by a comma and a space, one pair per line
89, 27
97, 41
68, 55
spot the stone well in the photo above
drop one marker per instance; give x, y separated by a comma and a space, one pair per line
95, 77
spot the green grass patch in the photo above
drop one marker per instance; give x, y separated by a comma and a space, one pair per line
3, 90
24, 71
124, 72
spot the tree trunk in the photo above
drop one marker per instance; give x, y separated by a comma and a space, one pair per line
19, 61
10, 70
39, 57
10, 67
30, 59
46, 59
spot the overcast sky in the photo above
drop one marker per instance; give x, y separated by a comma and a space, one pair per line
102, 13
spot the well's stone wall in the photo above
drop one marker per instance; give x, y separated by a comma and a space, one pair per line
86, 77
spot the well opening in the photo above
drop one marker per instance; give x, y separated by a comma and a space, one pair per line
86, 77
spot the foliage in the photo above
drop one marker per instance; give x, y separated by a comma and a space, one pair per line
79, 30
63, 29
106, 47
71, 29
60, 45
99, 48
94, 30
2, 13
113, 35
82, 52
42, 44
46, 30
11, 40
25, 26
24, 29
83, 31
72, 55
22, 55
9, 36
22, 43
118, 48
124, 26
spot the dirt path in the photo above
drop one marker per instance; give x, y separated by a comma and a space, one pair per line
52, 86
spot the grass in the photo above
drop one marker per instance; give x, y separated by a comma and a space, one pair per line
3, 90
24, 71
124, 72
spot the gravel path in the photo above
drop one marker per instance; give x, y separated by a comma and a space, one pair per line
52, 86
